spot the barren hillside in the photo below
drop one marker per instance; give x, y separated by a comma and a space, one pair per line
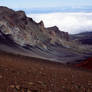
24, 74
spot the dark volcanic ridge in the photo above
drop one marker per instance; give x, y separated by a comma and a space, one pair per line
20, 34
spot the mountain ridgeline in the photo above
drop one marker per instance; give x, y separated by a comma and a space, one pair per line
26, 31
22, 35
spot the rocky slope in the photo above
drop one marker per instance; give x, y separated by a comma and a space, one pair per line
24, 74
54, 31
23, 29
22, 35
86, 64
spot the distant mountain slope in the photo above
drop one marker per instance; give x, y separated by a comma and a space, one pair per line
84, 38
22, 35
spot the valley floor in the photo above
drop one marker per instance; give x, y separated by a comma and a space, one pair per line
24, 74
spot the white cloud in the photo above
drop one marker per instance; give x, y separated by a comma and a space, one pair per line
69, 22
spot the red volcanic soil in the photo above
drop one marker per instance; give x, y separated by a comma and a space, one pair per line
24, 74
87, 64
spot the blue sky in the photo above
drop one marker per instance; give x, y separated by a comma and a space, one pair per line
44, 3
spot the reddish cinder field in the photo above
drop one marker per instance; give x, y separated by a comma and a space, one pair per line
24, 74
87, 64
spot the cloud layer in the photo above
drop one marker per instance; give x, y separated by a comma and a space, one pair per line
68, 22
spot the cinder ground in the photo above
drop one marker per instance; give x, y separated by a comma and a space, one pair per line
87, 64
24, 74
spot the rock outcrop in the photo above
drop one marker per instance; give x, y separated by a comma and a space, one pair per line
25, 30
54, 31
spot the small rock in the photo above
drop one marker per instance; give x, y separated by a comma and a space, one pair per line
40, 82
12, 86
30, 83
1, 76
17, 86
63, 86
89, 83
65, 79
29, 90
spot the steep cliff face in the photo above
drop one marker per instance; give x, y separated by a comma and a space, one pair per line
26, 31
